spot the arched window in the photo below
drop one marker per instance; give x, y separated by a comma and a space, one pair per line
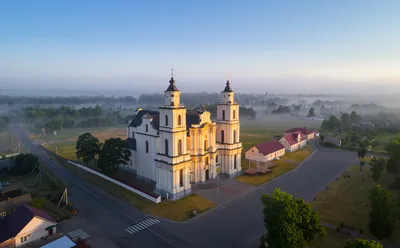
223, 114
166, 146
147, 128
166, 120
234, 162
216, 159
234, 114
234, 136
147, 146
206, 161
179, 120
181, 177
179, 147
222, 136
205, 145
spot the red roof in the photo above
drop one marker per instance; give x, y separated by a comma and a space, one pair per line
270, 147
298, 129
291, 138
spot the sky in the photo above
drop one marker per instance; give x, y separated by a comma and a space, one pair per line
286, 46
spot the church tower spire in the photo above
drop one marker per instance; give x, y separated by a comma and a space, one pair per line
228, 132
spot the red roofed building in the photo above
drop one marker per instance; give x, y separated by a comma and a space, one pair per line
293, 141
309, 134
265, 151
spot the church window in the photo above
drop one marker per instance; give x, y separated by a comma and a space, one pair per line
222, 136
216, 159
205, 145
181, 177
223, 114
234, 162
166, 120
166, 146
147, 128
207, 162
234, 114
147, 146
179, 147
179, 120
133, 135
234, 136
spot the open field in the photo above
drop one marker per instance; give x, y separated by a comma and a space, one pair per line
174, 210
287, 163
346, 200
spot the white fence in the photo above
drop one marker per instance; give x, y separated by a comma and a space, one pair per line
151, 198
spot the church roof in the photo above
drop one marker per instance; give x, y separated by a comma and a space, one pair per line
172, 85
228, 87
137, 119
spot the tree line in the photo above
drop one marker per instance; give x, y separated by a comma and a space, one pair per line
107, 156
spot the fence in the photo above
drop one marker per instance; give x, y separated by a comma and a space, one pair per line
151, 198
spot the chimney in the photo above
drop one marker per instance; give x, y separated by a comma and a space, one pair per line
298, 137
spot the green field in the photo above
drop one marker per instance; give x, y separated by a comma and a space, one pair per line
346, 200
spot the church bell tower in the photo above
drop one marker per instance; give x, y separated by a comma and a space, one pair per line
172, 158
228, 133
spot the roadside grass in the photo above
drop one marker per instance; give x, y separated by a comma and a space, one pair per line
333, 239
174, 210
346, 200
282, 166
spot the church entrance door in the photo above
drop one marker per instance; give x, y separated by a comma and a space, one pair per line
207, 174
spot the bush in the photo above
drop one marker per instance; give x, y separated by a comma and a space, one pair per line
23, 164
37, 203
396, 183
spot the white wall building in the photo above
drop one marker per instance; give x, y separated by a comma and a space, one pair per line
175, 148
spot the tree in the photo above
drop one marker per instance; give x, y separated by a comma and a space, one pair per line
377, 166
322, 138
354, 118
393, 151
361, 152
114, 153
362, 243
382, 217
87, 147
24, 164
290, 222
311, 112
345, 119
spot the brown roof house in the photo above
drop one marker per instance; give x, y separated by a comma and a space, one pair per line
25, 225
308, 134
293, 141
266, 151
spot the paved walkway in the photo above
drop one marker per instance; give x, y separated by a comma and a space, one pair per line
223, 192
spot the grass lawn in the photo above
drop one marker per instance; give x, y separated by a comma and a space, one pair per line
346, 199
174, 210
332, 240
281, 168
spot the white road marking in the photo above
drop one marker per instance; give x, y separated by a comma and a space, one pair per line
141, 226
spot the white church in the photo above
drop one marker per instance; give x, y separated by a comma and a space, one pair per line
174, 147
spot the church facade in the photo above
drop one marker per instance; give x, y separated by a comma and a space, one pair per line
175, 148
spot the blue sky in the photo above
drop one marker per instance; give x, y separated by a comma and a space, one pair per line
258, 45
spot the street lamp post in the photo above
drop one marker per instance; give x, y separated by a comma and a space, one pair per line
217, 183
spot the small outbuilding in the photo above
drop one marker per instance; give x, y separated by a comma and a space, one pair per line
262, 153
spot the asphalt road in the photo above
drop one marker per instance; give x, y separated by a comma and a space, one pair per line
237, 224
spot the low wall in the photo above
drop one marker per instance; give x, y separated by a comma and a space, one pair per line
155, 200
